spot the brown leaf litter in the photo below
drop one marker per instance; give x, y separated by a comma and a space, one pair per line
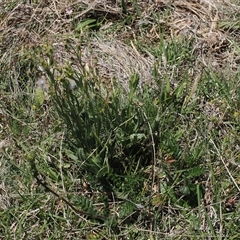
29, 26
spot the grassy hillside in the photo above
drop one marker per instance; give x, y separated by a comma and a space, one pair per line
119, 119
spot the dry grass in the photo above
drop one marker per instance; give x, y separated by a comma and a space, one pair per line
26, 26
112, 52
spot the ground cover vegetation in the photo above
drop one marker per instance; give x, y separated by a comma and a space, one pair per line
119, 119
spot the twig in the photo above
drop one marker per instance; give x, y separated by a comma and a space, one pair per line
154, 157
225, 165
49, 189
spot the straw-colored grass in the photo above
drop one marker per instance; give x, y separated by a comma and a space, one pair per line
185, 54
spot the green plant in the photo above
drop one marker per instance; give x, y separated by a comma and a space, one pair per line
108, 134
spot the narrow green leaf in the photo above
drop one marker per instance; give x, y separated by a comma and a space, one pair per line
39, 97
